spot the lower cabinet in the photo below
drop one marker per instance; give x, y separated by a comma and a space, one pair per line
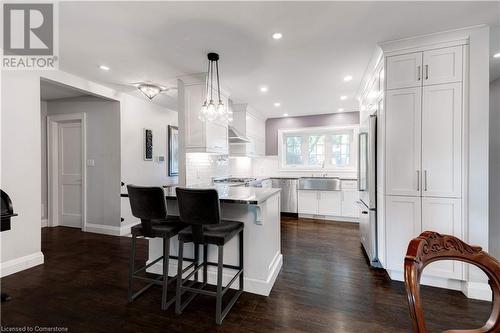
407, 217
329, 203
308, 202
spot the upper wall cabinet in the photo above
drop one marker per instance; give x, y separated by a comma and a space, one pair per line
201, 136
425, 68
404, 71
442, 65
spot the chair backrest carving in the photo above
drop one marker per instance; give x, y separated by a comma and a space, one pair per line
431, 246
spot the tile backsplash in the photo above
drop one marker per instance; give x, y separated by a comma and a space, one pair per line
202, 167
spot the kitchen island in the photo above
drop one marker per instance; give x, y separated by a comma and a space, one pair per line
259, 210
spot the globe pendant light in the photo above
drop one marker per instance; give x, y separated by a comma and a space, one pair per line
210, 110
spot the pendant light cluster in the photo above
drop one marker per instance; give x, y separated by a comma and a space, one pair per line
210, 110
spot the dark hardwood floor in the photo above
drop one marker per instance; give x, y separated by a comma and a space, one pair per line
325, 286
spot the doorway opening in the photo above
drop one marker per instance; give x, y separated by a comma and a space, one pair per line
80, 148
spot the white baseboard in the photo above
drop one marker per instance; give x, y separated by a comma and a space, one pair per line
44, 223
102, 229
474, 290
108, 229
252, 285
20, 264
478, 290
330, 218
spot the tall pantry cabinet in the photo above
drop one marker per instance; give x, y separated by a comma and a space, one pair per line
424, 151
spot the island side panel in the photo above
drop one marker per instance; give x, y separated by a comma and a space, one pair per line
262, 245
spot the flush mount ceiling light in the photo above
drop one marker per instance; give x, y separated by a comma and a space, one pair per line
347, 78
150, 90
208, 111
277, 104
496, 55
264, 89
277, 35
104, 67
343, 98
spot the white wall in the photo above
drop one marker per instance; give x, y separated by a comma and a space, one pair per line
136, 115
103, 146
495, 168
20, 169
20, 165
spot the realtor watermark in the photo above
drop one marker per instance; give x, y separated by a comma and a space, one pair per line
30, 39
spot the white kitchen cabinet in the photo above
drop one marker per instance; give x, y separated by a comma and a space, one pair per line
403, 223
443, 215
442, 65
201, 136
308, 202
329, 203
349, 207
441, 140
403, 141
404, 71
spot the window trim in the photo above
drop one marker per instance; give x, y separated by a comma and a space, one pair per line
326, 130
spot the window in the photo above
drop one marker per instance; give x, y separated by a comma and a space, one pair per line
319, 148
294, 150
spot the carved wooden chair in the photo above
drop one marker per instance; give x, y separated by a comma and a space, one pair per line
430, 247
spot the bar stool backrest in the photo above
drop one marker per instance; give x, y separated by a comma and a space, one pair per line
148, 204
198, 207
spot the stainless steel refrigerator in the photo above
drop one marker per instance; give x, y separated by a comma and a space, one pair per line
367, 186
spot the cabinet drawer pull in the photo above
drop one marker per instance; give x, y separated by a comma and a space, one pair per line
427, 72
418, 73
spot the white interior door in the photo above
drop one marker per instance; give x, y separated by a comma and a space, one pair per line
70, 173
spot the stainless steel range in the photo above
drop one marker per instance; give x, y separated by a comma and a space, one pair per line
235, 181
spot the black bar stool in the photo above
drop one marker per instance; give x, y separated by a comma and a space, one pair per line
201, 209
149, 205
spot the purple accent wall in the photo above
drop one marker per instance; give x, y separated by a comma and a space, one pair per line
331, 119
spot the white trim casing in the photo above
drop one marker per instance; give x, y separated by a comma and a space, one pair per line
20, 264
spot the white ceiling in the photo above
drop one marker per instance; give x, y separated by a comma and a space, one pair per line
322, 42
50, 91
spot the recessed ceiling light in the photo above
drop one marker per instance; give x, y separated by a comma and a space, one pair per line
277, 104
277, 35
496, 55
264, 89
343, 98
104, 67
340, 110
285, 114
347, 78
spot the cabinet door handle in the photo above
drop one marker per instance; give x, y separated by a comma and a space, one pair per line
418, 181
425, 180
418, 72
427, 72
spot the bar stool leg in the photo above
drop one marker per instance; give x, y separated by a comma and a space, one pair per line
166, 257
179, 279
218, 305
196, 259
131, 269
241, 260
205, 260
